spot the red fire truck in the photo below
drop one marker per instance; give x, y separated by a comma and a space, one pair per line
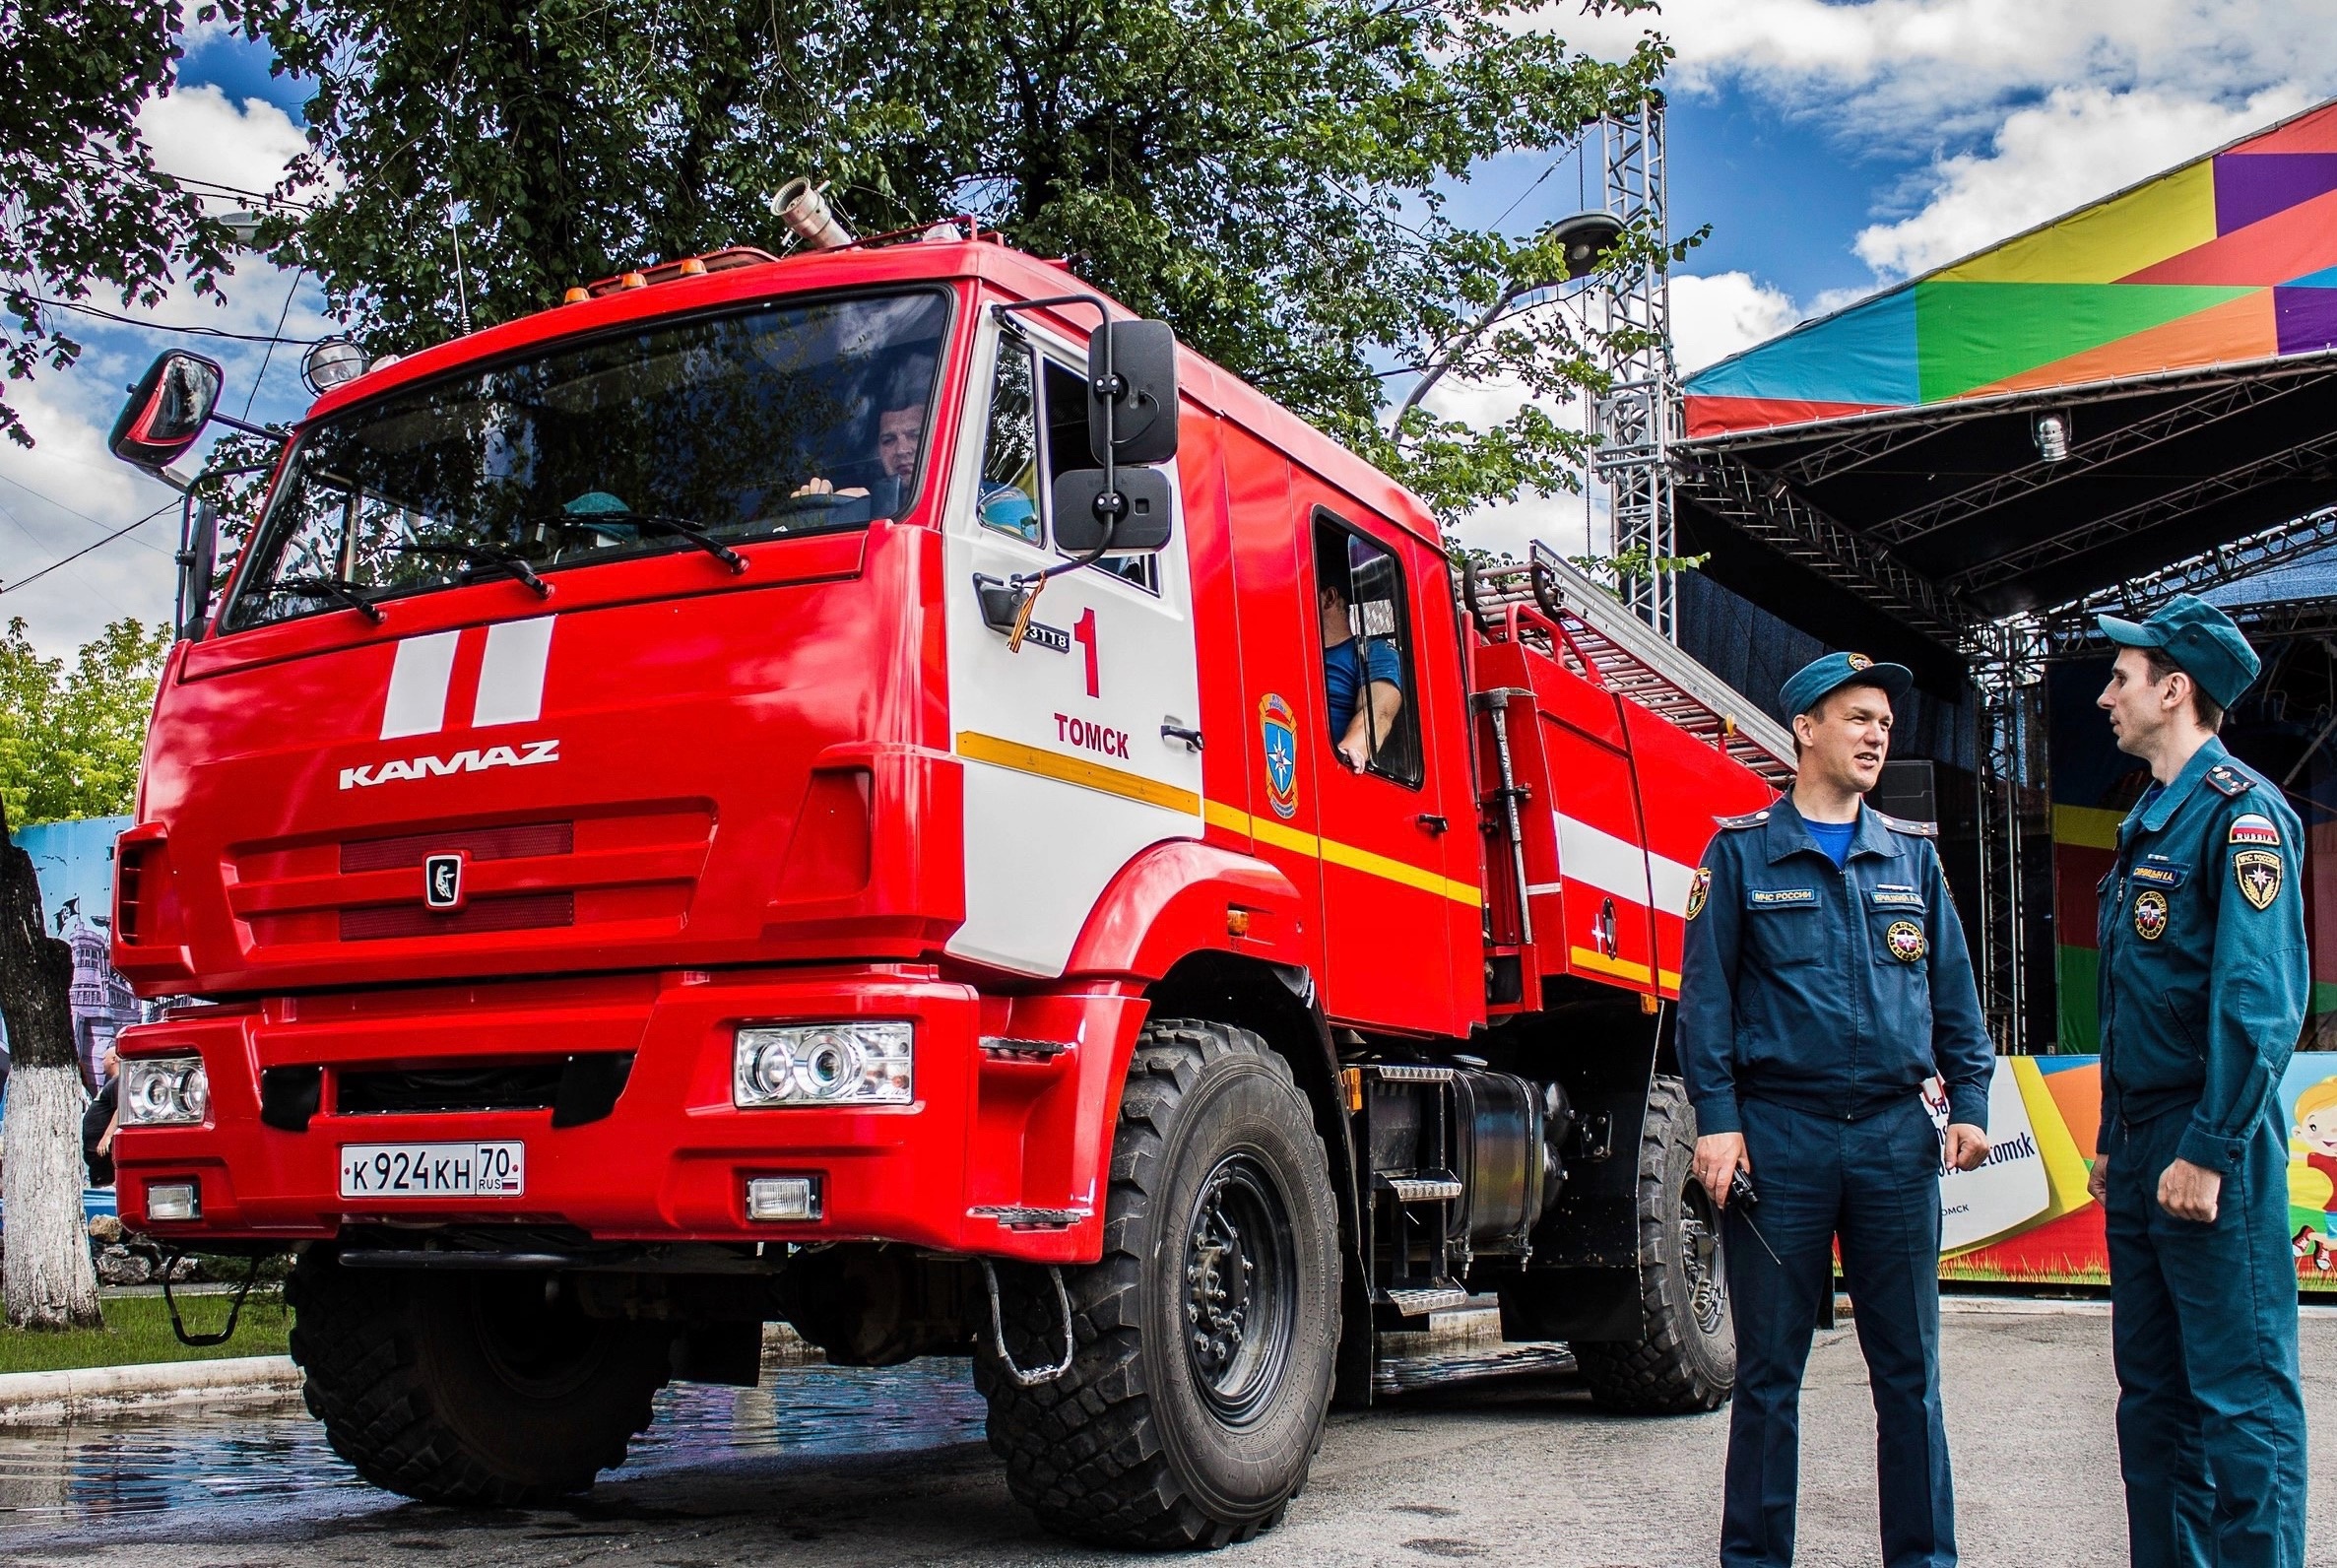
815, 790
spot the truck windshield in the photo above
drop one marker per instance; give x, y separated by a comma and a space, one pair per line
692, 435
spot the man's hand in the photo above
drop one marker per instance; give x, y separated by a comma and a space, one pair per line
1350, 756
1719, 1158
2099, 1182
2189, 1192
1966, 1147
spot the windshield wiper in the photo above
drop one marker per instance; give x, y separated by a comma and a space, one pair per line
336, 589
511, 563
663, 523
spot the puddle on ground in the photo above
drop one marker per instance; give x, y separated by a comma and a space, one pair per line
257, 1460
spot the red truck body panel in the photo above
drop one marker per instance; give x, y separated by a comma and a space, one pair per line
753, 798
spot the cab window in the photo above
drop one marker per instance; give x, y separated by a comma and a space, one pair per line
1009, 495
1367, 685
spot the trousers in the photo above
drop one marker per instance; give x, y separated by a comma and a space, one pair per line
1873, 1183
2203, 1332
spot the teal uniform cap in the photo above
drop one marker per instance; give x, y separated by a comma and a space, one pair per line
2200, 638
1812, 684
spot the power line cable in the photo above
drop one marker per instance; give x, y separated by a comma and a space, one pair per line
50, 500
26, 582
280, 317
162, 326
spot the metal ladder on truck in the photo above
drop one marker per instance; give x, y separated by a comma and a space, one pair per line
1603, 643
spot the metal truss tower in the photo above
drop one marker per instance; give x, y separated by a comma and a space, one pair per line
1639, 417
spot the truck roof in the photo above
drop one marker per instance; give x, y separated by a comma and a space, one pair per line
982, 258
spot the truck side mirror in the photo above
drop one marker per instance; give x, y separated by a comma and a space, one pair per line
1142, 392
1081, 513
166, 410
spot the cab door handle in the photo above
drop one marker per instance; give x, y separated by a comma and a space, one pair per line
1432, 822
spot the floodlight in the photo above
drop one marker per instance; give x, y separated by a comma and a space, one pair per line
2052, 437
332, 362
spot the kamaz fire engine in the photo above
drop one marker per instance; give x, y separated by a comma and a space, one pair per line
804, 790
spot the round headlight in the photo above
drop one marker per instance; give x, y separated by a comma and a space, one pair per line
772, 1070
831, 1066
194, 1092
154, 1097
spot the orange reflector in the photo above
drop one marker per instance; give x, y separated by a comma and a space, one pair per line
633, 280
1237, 922
1351, 1079
693, 268
575, 296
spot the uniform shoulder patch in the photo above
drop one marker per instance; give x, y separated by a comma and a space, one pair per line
2254, 828
1901, 825
2229, 781
1737, 824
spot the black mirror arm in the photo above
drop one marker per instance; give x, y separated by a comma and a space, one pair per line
1111, 503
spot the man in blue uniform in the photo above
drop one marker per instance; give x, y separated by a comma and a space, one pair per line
2204, 980
1826, 978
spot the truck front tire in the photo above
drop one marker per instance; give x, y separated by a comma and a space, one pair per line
1684, 1359
469, 1388
1204, 1338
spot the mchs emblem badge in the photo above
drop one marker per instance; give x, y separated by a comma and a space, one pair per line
2258, 872
1278, 727
2150, 916
1700, 887
1905, 939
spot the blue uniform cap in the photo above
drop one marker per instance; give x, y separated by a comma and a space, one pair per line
2200, 638
1813, 680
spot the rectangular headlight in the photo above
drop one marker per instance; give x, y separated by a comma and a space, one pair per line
163, 1092
822, 1064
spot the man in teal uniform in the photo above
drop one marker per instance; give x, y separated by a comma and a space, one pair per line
1825, 980
2204, 979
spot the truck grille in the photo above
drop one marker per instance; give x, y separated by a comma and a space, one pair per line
519, 912
636, 868
576, 1090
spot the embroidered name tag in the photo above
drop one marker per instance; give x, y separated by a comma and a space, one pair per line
1899, 897
1781, 897
2150, 876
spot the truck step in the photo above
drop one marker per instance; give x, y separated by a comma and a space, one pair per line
1013, 1216
1432, 1187
1418, 1302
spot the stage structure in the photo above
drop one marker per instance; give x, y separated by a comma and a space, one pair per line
1638, 418
2134, 399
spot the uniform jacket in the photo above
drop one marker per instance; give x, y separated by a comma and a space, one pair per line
1832, 991
2204, 974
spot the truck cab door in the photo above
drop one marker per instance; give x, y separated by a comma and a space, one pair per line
1071, 768
1392, 904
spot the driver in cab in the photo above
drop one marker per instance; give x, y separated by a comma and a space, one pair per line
900, 438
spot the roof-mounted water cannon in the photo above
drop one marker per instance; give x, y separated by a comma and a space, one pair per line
804, 208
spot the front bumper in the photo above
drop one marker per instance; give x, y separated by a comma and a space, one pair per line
1002, 1153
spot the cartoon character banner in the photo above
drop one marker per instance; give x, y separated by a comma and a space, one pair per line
2025, 1218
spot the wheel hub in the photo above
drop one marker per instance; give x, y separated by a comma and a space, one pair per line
1239, 1271
1700, 1259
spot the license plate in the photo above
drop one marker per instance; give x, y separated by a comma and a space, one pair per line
434, 1171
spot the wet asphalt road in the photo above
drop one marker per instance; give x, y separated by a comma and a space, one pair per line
826, 1465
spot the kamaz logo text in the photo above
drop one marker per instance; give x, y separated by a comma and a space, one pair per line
471, 760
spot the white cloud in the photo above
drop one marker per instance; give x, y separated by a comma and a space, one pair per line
1714, 317
68, 491
1914, 71
2079, 145
198, 132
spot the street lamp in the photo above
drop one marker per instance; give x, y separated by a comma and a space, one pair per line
1582, 239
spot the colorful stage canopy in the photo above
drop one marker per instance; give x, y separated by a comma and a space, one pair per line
2227, 260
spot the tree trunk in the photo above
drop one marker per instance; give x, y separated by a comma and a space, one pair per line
47, 1280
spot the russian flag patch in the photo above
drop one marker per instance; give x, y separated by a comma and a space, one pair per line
2254, 828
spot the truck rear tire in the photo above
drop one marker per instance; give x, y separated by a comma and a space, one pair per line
1204, 1338
1685, 1358
469, 1388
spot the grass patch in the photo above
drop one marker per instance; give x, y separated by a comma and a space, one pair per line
138, 1328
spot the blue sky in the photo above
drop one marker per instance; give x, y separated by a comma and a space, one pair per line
1834, 145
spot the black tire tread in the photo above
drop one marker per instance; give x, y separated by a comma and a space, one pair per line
364, 1383
1652, 1375
1082, 1451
